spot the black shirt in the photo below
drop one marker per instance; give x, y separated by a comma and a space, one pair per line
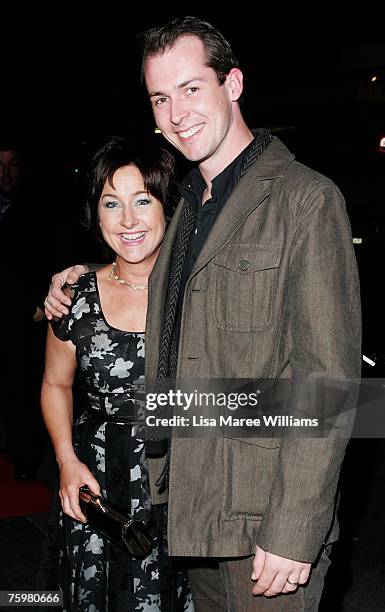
192, 189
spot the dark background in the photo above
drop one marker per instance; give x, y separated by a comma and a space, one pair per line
71, 76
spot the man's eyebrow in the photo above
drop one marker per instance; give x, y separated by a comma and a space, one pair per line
185, 83
179, 86
152, 94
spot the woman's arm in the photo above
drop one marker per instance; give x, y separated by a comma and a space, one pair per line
56, 403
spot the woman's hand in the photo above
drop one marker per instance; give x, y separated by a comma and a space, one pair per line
73, 475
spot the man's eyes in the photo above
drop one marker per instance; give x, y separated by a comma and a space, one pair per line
160, 101
188, 91
12, 165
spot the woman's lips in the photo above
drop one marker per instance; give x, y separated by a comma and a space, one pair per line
133, 239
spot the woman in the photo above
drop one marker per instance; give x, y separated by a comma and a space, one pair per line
102, 341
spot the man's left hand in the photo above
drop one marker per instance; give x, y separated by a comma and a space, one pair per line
274, 574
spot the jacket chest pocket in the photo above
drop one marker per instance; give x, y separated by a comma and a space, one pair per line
244, 286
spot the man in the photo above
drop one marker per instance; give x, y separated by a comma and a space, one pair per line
23, 330
10, 174
256, 279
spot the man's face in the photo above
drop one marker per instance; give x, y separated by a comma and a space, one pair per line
10, 170
192, 110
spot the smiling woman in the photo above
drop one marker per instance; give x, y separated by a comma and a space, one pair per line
126, 208
131, 220
102, 337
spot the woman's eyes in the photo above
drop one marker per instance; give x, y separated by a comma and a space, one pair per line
139, 203
143, 202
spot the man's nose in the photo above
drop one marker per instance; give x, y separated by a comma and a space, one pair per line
5, 170
178, 112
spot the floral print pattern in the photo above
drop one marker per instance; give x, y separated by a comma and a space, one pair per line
94, 575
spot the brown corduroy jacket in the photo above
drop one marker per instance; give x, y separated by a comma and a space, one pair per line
292, 310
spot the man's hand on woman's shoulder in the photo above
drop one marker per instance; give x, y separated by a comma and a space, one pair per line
57, 302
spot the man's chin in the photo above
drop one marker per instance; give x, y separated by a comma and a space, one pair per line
195, 157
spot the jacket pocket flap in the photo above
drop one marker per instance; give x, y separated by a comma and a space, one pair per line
262, 442
246, 258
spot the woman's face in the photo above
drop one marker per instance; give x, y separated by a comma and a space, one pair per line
131, 219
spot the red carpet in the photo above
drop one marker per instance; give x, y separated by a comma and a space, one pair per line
19, 498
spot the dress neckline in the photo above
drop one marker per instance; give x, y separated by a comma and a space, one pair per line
123, 331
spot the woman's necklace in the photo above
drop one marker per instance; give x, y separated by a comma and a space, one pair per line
120, 280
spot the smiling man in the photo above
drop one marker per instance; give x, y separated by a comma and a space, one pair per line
256, 279
255, 253
192, 107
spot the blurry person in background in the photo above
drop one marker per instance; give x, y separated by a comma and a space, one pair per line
11, 168
22, 321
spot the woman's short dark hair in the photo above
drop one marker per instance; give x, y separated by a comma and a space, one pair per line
219, 54
157, 167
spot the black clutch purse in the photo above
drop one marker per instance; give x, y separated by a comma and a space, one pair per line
127, 533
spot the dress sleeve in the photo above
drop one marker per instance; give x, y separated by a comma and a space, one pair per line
62, 327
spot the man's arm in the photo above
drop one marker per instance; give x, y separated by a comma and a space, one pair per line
325, 327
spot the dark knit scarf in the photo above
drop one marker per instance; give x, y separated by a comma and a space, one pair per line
168, 354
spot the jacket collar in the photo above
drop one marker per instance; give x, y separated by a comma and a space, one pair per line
274, 162
247, 196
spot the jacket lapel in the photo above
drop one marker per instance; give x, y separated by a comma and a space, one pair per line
253, 189
240, 204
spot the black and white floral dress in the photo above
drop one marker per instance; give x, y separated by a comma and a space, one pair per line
96, 576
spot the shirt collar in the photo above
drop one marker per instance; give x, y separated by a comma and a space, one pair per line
223, 184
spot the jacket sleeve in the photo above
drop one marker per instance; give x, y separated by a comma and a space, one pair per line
324, 325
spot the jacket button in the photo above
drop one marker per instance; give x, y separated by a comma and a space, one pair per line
244, 265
